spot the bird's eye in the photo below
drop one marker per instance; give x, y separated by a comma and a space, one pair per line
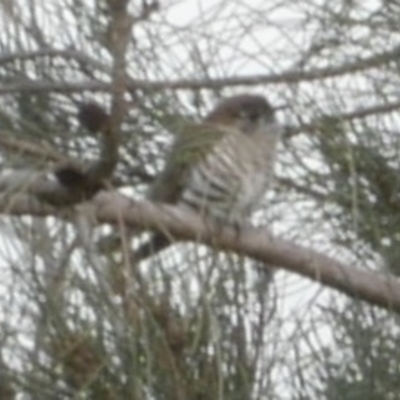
253, 116
249, 115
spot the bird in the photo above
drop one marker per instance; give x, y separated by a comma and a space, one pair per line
220, 167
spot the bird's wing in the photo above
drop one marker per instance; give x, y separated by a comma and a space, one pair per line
193, 142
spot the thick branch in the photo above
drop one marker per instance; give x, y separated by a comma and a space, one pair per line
119, 30
375, 288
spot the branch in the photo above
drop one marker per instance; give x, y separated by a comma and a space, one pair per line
257, 243
75, 181
53, 53
290, 131
119, 30
70, 181
290, 76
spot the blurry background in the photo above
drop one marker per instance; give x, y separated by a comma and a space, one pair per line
76, 323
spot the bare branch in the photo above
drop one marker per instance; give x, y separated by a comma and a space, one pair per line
48, 52
119, 30
257, 243
70, 181
291, 76
359, 113
76, 182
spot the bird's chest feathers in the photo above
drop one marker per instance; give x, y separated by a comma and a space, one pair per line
253, 160
250, 156
232, 178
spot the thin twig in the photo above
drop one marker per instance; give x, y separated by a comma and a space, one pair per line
291, 76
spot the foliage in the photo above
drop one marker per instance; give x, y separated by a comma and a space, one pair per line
190, 323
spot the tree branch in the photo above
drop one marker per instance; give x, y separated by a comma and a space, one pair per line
70, 181
257, 243
53, 53
119, 31
290, 76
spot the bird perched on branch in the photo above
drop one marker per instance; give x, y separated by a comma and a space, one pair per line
221, 167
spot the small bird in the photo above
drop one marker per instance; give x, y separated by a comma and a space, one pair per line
221, 167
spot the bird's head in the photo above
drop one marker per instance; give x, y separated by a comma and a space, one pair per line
247, 112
